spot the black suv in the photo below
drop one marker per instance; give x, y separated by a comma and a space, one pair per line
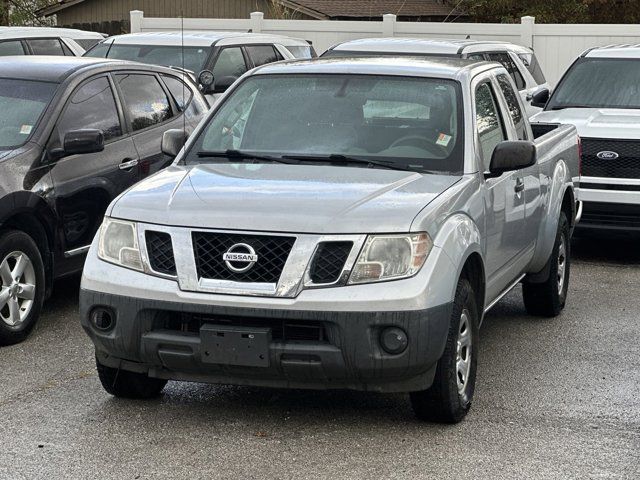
74, 134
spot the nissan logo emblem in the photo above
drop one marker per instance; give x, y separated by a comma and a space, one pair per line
240, 258
606, 155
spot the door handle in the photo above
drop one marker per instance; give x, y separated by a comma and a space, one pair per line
519, 185
128, 164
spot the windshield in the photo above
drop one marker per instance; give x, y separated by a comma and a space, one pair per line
408, 123
168, 56
599, 83
21, 104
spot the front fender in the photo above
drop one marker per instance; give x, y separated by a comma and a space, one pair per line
458, 238
560, 182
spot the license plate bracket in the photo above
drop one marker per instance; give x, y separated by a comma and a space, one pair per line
240, 346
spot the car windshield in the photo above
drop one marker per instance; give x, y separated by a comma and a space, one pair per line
399, 122
599, 83
21, 104
169, 56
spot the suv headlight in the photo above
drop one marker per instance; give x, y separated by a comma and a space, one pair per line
118, 243
391, 257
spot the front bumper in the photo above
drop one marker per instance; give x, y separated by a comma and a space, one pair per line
609, 204
327, 349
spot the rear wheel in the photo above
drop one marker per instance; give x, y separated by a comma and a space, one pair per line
449, 398
121, 383
21, 286
548, 299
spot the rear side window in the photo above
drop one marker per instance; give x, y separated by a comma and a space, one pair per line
512, 68
92, 105
99, 51
144, 100
302, 52
488, 123
263, 54
45, 46
180, 92
514, 106
87, 43
531, 62
13, 47
230, 63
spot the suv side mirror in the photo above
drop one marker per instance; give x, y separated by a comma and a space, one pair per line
512, 155
540, 98
172, 142
207, 82
77, 142
223, 84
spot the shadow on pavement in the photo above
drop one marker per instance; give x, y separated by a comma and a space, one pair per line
607, 249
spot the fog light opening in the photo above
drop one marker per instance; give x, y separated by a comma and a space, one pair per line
394, 340
102, 319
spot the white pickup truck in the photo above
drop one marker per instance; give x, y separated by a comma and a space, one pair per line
338, 223
600, 95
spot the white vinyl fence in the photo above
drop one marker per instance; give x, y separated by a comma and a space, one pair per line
556, 45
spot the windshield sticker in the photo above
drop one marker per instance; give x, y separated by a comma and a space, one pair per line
26, 129
443, 139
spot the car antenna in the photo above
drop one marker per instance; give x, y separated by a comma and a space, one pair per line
184, 86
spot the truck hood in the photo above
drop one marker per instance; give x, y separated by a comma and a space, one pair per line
596, 122
283, 198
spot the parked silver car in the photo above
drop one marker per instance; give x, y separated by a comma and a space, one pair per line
335, 224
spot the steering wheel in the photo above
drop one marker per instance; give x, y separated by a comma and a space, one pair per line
419, 142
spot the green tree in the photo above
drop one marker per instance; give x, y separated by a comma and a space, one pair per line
23, 12
548, 11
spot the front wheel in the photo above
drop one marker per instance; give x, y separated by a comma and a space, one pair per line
449, 398
547, 299
21, 286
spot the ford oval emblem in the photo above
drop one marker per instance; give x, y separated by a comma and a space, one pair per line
607, 155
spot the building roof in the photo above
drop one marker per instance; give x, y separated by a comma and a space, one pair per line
326, 9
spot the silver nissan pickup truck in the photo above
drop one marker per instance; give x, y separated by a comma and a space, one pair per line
335, 224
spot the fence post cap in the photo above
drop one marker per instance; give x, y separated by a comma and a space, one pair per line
257, 15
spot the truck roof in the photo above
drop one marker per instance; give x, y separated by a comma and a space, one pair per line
199, 39
452, 68
422, 46
614, 51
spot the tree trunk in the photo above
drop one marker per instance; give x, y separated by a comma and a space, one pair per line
4, 12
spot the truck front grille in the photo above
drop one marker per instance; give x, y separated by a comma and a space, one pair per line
160, 250
272, 252
328, 262
626, 165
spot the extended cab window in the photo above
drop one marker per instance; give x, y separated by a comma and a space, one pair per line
514, 106
92, 105
144, 100
488, 123
12, 47
45, 46
230, 63
263, 54
512, 68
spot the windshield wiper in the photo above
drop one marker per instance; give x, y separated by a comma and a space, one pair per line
562, 107
344, 159
238, 155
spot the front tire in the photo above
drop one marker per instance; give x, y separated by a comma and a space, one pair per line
124, 384
548, 299
22, 286
448, 400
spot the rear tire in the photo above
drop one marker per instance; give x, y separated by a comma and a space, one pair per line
448, 400
22, 286
548, 299
123, 384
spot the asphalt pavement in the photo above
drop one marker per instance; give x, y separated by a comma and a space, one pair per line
555, 398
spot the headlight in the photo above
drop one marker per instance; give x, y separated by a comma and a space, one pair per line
119, 243
391, 257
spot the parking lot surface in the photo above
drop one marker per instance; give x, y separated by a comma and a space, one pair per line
555, 399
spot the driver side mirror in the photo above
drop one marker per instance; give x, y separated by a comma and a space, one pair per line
540, 98
172, 142
207, 82
78, 142
512, 155
224, 83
